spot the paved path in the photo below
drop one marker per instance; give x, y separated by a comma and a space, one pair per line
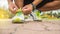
44, 27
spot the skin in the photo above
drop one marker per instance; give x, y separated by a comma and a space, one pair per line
51, 6
19, 3
28, 8
13, 7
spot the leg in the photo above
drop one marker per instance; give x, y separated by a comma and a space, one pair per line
19, 3
51, 6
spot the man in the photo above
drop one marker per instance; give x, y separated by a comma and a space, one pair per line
19, 4
41, 5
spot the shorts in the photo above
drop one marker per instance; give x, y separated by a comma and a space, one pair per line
39, 5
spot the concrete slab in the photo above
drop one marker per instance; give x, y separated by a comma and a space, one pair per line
33, 27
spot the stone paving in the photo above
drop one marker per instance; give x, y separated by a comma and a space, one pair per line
33, 27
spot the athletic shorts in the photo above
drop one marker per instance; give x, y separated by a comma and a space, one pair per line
39, 5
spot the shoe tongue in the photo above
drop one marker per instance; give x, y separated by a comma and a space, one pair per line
19, 12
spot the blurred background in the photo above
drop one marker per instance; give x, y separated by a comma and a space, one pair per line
4, 4
4, 12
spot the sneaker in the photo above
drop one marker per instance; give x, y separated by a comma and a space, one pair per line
36, 15
19, 17
28, 18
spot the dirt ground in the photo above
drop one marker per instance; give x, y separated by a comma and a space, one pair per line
32, 27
